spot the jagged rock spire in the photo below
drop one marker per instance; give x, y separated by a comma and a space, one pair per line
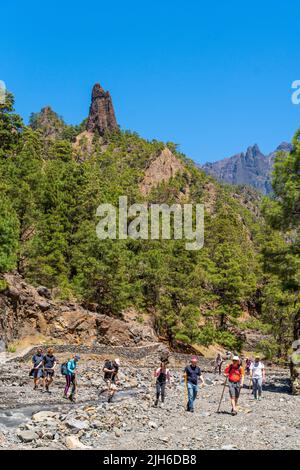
101, 115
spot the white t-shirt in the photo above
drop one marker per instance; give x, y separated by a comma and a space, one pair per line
257, 368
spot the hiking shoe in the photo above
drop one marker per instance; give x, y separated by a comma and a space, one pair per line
156, 403
65, 397
35, 387
259, 398
233, 413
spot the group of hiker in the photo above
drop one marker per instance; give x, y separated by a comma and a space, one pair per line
43, 369
44, 366
235, 374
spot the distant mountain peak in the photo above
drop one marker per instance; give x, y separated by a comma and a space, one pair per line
48, 122
252, 168
253, 151
284, 146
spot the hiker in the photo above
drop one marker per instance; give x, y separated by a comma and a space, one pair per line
248, 365
71, 377
37, 370
192, 373
162, 375
111, 369
49, 363
228, 355
258, 377
218, 363
235, 374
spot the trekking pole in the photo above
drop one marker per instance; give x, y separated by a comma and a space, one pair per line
185, 390
222, 395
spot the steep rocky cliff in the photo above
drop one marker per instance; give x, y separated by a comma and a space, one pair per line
30, 315
101, 115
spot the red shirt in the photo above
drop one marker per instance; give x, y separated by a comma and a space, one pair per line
234, 373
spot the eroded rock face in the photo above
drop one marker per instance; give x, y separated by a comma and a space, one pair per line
101, 115
161, 169
25, 314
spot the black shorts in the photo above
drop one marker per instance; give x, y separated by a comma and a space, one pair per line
49, 373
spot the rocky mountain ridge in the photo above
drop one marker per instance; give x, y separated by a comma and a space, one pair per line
252, 168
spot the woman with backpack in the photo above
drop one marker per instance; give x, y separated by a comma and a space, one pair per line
235, 374
68, 369
162, 375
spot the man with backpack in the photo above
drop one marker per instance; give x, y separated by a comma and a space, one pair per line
162, 375
191, 375
37, 370
111, 369
235, 374
49, 363
258, 377
68, 369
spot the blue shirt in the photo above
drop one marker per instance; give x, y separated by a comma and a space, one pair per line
193, 373
49, 361
37, 359
71, 366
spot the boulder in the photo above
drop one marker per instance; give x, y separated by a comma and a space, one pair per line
43, 416
27, 436
295, 372
44, 292
43, 306
72, 443
77, 424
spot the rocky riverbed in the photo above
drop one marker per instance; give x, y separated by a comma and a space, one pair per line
34, 420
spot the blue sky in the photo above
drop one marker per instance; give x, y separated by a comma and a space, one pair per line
213, 77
